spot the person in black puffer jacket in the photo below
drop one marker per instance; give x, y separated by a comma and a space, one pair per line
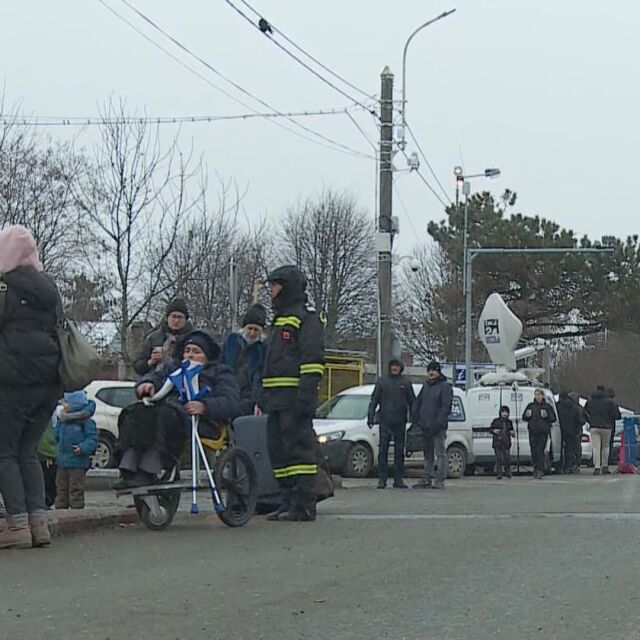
394, 395
29, 384
539, 415
431, 413
571, 428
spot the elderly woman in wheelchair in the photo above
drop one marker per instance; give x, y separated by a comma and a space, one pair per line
153, 435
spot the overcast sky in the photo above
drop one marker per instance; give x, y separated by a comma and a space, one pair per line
547, 90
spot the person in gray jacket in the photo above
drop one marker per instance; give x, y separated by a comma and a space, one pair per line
394, 395
431, 413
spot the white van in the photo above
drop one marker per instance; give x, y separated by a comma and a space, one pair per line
352, 448
483, 405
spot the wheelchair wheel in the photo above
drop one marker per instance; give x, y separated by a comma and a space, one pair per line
237, 483
159, 519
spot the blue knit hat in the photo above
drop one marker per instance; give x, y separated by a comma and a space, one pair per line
76, 400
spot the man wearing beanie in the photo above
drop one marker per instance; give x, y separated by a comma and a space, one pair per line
158, 345
244, 352
431, 413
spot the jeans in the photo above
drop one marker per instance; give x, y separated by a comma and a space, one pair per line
22, 422
503, 461
538, 442
600, 443
434, 448
387, 433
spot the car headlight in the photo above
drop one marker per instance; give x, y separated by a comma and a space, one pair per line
334, 436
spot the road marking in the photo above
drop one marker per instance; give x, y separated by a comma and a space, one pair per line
482, 516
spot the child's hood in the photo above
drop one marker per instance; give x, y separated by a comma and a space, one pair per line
79, 411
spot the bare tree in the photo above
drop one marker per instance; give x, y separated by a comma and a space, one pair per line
199, 267
430, 307
332, 241
36, 190
135, 196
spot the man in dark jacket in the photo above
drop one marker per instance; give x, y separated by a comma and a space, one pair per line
394, 395
244, 352
159, 344
431, 413
571, 428
539, 416
293, 368
602, 413
612, 394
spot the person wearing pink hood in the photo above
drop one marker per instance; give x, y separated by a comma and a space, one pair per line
29, 384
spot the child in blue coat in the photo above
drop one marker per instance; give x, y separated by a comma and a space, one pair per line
77, 440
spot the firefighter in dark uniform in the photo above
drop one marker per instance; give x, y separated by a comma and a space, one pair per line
294, 365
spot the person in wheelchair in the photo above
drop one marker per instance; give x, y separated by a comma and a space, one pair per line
152, 437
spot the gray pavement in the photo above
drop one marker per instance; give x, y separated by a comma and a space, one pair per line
484, 559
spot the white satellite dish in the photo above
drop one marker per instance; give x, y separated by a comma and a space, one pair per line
500, 330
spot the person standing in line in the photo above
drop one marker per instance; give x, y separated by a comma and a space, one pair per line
294, 366
393, 393
431, 414
244, 352
502, 431
77, 440
30, 385
47, 452
602, 414
612, 394
158, 346
539, 415
571, 429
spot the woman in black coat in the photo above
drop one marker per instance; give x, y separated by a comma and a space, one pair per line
153, 438
539, 415
29, 384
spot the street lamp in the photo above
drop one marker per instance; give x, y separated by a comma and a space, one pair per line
469, 256
402, 141
463, 184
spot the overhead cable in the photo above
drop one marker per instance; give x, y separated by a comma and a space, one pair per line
424, 157
306, 53
264, 29
322, 141
52, 121
426, 182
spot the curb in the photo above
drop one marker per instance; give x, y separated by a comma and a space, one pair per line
84, 522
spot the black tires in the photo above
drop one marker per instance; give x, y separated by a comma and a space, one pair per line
161, 516
359, 461
237, 483
104, 457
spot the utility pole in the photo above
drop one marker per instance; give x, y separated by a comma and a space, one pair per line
384, 238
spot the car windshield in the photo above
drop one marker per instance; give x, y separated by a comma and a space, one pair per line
344, 407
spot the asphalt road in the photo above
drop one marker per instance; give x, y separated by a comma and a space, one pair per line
484, 559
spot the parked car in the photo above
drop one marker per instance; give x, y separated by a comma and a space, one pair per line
352, 448
110, 396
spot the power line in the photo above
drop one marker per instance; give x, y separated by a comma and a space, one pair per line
306, 53
426, 182
296, 58
52, 121
236, 99
424, 157
236, 85
404, 208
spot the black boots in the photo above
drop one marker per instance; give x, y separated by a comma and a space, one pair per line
299, 501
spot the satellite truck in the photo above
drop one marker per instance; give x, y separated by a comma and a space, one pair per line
500, 331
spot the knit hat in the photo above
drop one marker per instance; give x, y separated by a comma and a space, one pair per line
179, 305
256, 314
200, 340
76, 399
434, 366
